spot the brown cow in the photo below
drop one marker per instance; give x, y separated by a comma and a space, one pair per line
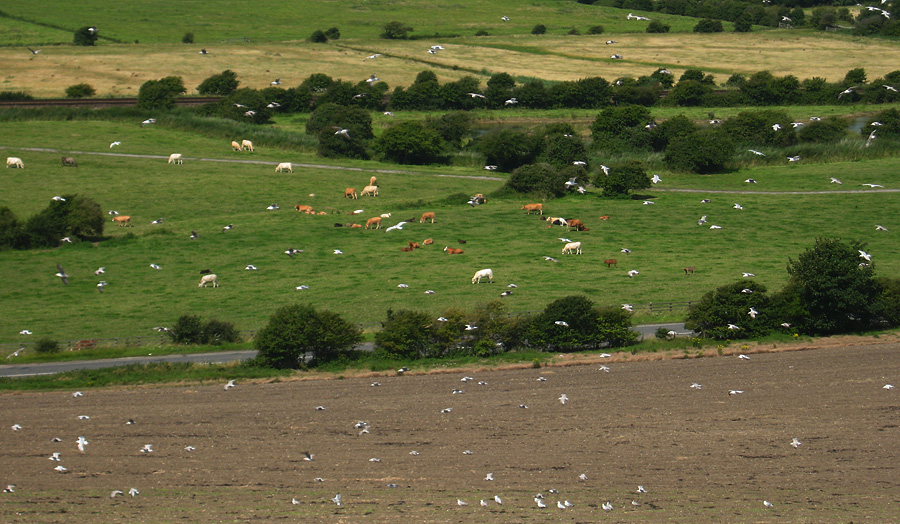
534, 207
123, 220
413, 245
689, 269
69, 161
304, 209
611, 262
427, 216
350, 193
428, 242
406, 249
354, 224
453, 250
578, 225
604, 217
84, 344
376, 221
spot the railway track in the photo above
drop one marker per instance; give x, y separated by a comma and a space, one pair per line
98, 102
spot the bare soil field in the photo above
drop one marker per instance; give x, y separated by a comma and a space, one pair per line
703, 455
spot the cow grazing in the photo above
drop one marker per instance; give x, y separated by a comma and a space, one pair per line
374, 221
175, 158
350, 193
413, 245
427, 216
577, 225
484, 273
284, 167
68, 161
689, 270
235, 146
530, 208
611, 262
246, 144
123, 220
209, 279
369, 190
14, 161
304, 209
453, 250
572, 247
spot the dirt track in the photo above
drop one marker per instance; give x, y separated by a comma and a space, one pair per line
703, 455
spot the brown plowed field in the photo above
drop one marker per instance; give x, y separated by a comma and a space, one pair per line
704, 456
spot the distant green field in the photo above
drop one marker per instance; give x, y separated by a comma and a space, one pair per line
362, 282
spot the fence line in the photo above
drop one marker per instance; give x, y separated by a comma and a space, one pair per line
162, 339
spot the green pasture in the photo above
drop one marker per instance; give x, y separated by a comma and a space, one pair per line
362, 282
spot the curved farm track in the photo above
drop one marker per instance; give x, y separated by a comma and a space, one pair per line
704, 456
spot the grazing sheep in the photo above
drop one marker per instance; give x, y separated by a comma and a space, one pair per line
246, 144
123, 220
206, 279
427, 216
284, 166
572, 247
68, 161
453, 250
235, 146
529, 208
376, 221
175, 158
14, 161
369, 190
350, 193
484, 273
304, 209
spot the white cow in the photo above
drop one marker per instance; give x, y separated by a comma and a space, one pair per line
206, 279
484, 273
572, 247
246, 144
14, 161
284, 166
369, 190
175, 158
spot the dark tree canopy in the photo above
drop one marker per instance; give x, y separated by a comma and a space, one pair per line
295, 331
221, 84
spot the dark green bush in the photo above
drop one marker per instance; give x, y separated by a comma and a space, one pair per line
623, 179
188, 38
729, 304
508, 149
15, 95
333, 33
595, 30
543, 180
395, 31
188, 329
410, 143
297, 330
160, 94
539, 29
703, 152
76, 216
656, 26
217, 332
80, 91
830, 129
223, 84
85, 36
406, 335
581, 332
708, 25
47, 346
318, 37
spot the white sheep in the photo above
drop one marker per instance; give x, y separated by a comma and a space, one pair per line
572, 247
175, 158
369, 190
246, 144
14, 161
484, 273
206, 279
235, 146
284, 166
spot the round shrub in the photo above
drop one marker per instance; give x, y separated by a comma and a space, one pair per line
595, 30
80, 91
539, 29
188, 329
297, 330
217, 332
333, 33
188, 38
708, 25
700, 152
47, 346
656, 26
318, 37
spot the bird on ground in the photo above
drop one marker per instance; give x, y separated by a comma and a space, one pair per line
835, 181
155, 266
483, 503
498, 500
540, 503
337, 500
715, 227
607, 506
203, 52
880, 228
610, 42
16, 427
230, 385
81, 442
61, 273
562, 323
560, 505
735, 392
887, 386
102, 284
148, 448
863, 254
504, 18
633, 272
738, 206
373, 57
693, 386
563, 399
460, 502
750, 181
308, 457
757, 153
404, 286
768, 504
25, 332
872, 185
276, 82
795, 443
61, 469
615, 57
114, 144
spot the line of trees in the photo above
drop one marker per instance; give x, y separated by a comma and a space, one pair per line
301, 335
